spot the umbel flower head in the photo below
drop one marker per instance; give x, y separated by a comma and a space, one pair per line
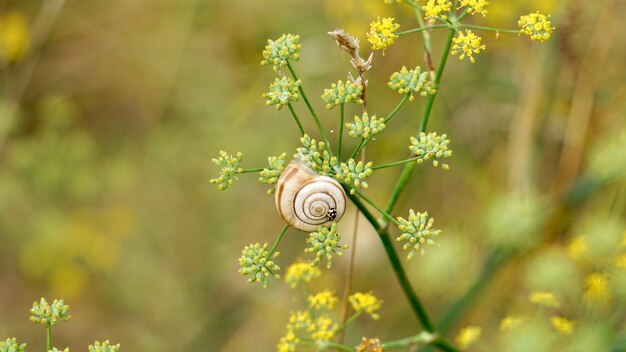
366, 302
324, 300
365, 127
411, 81
417, 232
257, 262
271, 174
278, 52
315, 156
382, 33
229, 168
325, 243
301, 272
435, 8
431, 146
354, 174
323, 328
544, 298
11, 345
298, 321
536, 25
49, 314
467, 44
104, 347
342, 93
283, 91
54, 349
475, 6
369, 345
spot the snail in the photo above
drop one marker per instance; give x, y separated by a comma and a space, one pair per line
306, 200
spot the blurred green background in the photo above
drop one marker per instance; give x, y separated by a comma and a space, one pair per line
110, 112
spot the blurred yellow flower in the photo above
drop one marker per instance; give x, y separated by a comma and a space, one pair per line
323, 328
467, 44
301, 272
366, 302
620, 262
577, 247
323, 300
510, 322
597, 288
544, 298
562, 325
14, 36
467, 336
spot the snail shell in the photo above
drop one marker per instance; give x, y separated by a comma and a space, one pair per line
306, 200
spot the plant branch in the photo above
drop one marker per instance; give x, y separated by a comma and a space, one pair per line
358, 148
295, 117
419, 29
398, 106
341, 117
395, 163
370, 202
247, 171
308, 104
491, 29
280, 237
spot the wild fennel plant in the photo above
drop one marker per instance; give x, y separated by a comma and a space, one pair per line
315, 326
49, 315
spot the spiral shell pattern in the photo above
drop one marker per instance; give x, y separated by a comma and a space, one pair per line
306, 200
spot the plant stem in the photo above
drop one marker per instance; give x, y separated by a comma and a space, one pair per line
358, 148
349, 321
48, 337
247, 171
341, 116
491, 29
370, 202
336, 346
280, 237
295, 117
397, 108
395, 163
414, 30
423, 338
308, 104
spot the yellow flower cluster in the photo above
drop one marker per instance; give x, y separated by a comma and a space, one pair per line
366, 302
562, 325
510, 322
543, 298
324, 300
467, 336
467, 44
596, 288
475, 6
301, 272
382, 33
323, 328
436, 8
369, 345
536, 25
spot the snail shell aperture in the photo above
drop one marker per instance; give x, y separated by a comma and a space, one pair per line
306, 200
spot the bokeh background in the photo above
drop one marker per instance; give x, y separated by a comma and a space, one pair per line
110, 113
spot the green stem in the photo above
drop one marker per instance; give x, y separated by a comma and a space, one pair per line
425, 34
398, 106
280, 237
295, 117
415, 30
247, 171
349, 321
370, 202
48, 338
341, 117
422, 338
491, 29
308, 104
358, 148
395, 163
414, 301
336, 346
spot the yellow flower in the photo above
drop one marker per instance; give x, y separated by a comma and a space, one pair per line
301, 272
366, 302
596, 287
323, 328
467, 336
467, 44
288, 342
577, 247
475, 6
14, 36
536, 25
322, 300
382, 33
299, 320
436, 8
544, 298
370, 345
562, 325
510, 322
620, 262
